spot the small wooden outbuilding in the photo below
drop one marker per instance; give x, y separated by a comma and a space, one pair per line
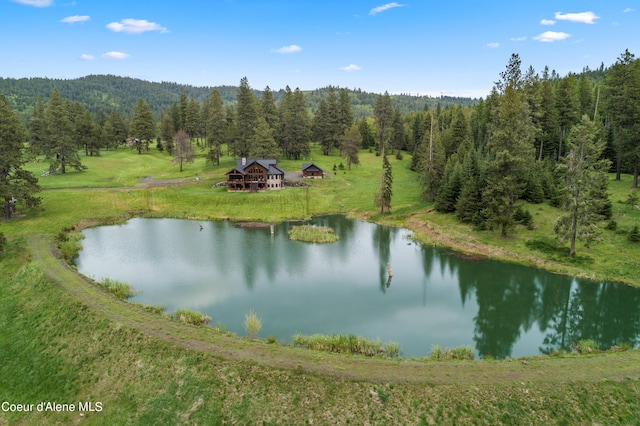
311, 171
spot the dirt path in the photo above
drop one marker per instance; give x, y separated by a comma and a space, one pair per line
207, 340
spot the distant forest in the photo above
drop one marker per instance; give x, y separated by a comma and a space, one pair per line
110, 93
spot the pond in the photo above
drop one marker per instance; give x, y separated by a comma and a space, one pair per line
435, 296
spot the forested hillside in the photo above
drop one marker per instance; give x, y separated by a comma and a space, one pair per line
109, 93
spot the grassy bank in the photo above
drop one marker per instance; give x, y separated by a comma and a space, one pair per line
67, 340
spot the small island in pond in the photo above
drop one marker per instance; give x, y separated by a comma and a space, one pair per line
313, 234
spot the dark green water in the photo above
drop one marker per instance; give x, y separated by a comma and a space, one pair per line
435, 296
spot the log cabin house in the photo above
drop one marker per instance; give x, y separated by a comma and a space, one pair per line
255, 175
311, 171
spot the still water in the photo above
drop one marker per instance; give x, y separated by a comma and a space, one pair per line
435, 297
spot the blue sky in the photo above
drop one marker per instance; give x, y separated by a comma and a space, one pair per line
416, 46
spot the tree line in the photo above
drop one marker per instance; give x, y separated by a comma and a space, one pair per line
536, 137
109, 93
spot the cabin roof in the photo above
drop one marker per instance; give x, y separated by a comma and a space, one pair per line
306, 166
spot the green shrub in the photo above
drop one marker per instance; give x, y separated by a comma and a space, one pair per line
587, 347
612, 225
271, 340
347, 344
634, 235
252, 324
70, 246
119, 289
313, 234
3, 242
192, 317
458, 352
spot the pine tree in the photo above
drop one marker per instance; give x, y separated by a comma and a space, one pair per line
383, 115
295, 125
582, 173
567, 105
167, 131
38, 129
16, 184
247, 111
511, 151
263, 144
469, 203
622, 93
350, 143
433, 162
383, 198
270, 110
61, 150
345, 112
327, 127
216, 127
142, 128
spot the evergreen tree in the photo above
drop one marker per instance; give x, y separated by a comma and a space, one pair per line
548, 137
38, 129
433, 162
192, 118
367, 133
142, 128
182, 108
115, 130
383, 198
623, 97
61, 150
397, 131
383, 115
345, 112
451, 186
567, 105
350, 143
216, 127
270, 110
167, 132
511, 151
16, 184
295, 127
263, 144
247, 112
582, 171
469, 203
326, 124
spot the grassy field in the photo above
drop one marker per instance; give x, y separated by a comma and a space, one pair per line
68, 341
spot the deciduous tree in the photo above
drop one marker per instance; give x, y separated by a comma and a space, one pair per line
184, 152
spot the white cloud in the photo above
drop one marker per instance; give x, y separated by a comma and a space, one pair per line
86, 57
384, 7
35, 3
115, 55
551, 36
74, 19
135, 26
288, 49
547, 22
493, 45
351, 67
518, 38
583, 17
627, 10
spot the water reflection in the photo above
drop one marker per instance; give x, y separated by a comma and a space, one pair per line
435, 296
